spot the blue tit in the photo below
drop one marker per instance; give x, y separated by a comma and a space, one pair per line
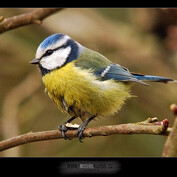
82, 82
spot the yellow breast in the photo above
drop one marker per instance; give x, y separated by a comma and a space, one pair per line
78, 92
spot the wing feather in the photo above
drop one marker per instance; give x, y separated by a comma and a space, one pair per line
118, 73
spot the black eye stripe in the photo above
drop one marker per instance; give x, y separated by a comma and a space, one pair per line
50, 51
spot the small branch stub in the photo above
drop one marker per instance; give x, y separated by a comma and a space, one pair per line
173, 108
1, 18
37, 22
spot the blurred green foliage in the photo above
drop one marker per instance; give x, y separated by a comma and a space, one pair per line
143, 40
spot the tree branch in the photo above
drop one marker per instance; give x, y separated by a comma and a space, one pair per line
150, 126
170, 147
36, 17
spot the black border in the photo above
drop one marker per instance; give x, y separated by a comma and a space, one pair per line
128, 166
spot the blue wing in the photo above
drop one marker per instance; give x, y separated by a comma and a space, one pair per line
121, 74
118, 73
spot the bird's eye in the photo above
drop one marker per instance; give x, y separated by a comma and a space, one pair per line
48, 52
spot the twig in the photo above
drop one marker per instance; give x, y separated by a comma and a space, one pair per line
155, 128
170, 147
36, 17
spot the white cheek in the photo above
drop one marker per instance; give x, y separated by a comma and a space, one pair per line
57, 59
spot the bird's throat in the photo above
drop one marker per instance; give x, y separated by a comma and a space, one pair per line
43, 70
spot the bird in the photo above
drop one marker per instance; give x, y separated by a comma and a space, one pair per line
82, 82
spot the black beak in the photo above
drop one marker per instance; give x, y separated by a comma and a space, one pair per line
34, 61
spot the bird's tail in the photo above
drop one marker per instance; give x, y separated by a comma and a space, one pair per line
153, 78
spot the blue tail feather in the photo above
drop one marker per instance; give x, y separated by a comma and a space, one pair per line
152, 78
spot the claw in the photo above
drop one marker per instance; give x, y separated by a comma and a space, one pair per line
82, 128
80, 132
63, 130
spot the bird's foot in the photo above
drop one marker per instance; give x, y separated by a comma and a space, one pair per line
82, 127
63, 130
80, 131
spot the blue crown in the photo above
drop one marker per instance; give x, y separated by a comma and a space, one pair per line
51, 39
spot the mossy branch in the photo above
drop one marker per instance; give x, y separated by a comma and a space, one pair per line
150, 126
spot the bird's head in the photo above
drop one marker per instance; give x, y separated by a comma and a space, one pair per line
56, 51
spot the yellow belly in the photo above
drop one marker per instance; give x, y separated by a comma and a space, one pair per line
78, 92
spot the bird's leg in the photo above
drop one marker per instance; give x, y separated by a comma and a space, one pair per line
64, 129
82, 128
